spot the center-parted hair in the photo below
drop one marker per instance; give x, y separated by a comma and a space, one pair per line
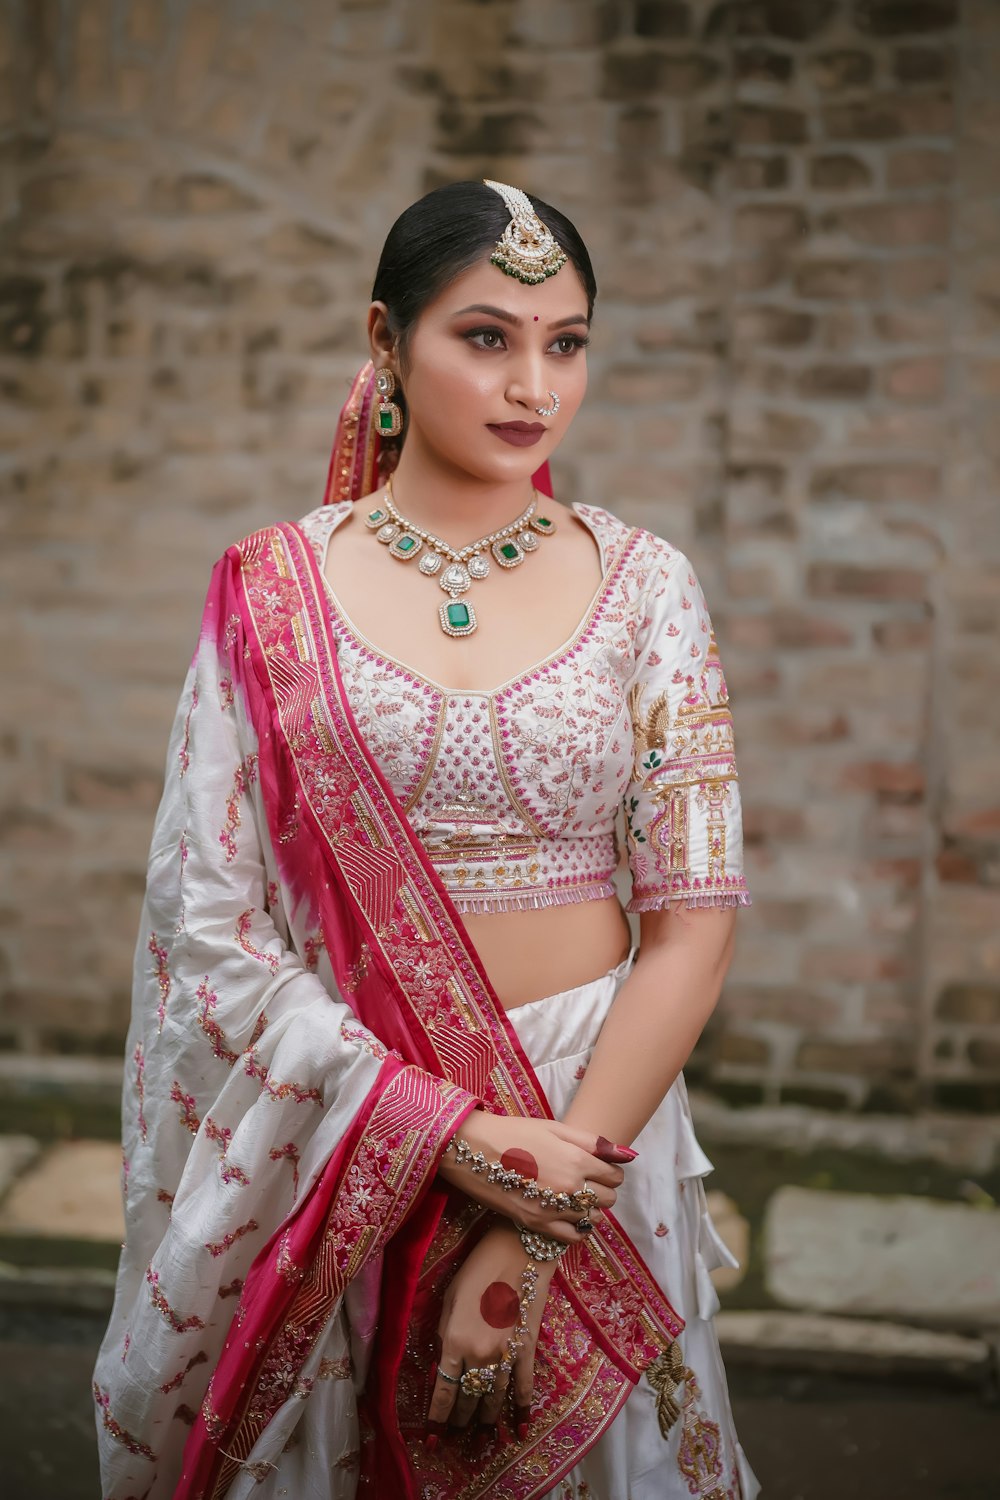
447, 232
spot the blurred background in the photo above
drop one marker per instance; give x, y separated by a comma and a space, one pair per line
794, 211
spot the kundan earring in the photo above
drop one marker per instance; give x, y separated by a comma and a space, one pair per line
390, 418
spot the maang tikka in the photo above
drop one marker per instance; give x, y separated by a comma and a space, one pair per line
526, 250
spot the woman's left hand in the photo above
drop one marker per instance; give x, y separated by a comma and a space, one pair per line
481, 1311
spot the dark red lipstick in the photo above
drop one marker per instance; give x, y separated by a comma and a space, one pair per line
520, 434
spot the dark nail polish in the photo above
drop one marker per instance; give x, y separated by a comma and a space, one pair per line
431, 1441
522, 1432
437, 1429
522, 1417
606, 1150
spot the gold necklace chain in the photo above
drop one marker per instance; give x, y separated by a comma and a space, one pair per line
509, 546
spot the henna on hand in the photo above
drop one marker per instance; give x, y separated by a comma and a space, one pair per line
499, 1305
523, 1162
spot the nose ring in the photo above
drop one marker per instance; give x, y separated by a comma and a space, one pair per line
549, 411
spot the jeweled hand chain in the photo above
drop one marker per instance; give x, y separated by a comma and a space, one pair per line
481, 1380
508, 1180
464, 564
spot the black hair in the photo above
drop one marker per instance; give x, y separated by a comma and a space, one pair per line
447, 232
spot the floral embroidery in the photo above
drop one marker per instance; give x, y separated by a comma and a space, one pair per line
159, 1301
313, 947
222, 1136
162, 973
119, 1433
210, 1025
244, 776
189, 1115
233, 1288
288, 1152
163, 1196
335, 1369
186, 1414
365, 1039
219, 1247
226, 691
254, 1068
139, 1058
183, 754
200, 1358
244, 926
514, 792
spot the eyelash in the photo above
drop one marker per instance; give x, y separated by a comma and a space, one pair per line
577, 340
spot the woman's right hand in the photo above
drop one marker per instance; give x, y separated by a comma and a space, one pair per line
555, 1155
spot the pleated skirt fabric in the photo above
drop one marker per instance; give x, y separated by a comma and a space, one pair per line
662, 1206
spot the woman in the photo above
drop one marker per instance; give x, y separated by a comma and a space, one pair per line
385, 1231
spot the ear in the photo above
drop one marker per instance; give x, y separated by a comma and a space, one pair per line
380, 340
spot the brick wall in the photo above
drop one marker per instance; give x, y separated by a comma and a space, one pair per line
793, 207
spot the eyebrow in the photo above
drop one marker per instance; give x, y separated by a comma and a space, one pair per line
508, 317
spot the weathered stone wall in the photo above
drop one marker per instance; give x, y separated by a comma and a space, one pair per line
793, 208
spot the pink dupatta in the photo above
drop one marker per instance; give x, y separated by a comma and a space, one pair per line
399, 950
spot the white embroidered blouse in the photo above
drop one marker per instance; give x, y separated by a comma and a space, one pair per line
514, 793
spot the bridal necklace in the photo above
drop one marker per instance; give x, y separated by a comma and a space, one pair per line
457, 567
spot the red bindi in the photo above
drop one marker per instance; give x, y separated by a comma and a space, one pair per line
536, 317
499, 1305
516, 1160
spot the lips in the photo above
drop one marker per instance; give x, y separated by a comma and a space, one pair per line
520, 434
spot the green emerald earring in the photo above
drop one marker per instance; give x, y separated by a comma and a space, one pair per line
390, 418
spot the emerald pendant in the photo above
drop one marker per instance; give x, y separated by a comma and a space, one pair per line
457, 617
376, 518
544, 524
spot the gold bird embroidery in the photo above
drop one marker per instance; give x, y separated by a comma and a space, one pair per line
650, 728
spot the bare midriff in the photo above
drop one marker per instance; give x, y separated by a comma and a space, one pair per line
531, 954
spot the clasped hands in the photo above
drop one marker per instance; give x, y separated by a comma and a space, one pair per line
493, 1307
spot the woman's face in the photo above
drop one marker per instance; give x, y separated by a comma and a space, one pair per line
482, 357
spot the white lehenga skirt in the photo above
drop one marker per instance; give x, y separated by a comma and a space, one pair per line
310, 1448
662, 1207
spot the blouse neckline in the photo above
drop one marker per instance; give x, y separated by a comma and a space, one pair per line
592, 610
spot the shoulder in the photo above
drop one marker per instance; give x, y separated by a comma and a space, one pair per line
654, 557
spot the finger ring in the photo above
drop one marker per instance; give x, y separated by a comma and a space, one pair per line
451, 1379
479, 1381
584, 1199
584, 1226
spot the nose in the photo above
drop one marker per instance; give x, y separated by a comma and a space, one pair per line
526, 386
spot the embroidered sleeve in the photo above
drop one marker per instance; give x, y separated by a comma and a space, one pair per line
682, 805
